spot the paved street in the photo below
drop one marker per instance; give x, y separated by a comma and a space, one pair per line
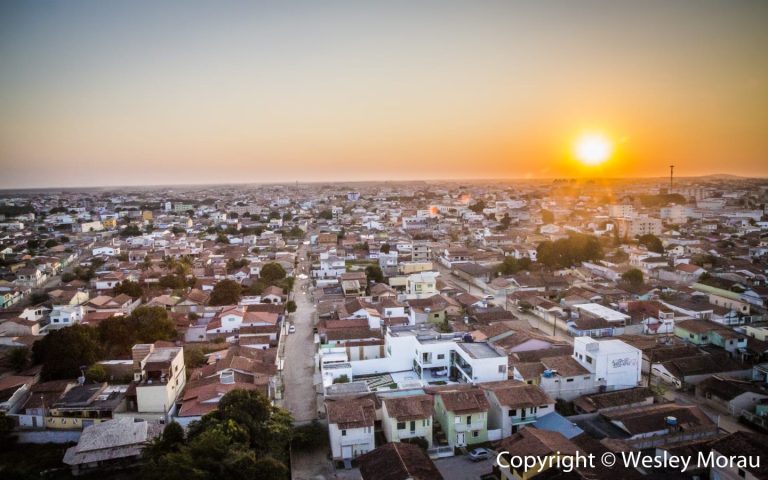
299, 367
461, 468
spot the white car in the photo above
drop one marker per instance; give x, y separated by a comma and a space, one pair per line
479, 454
292, 329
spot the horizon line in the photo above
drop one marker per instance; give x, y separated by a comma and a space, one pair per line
293, 182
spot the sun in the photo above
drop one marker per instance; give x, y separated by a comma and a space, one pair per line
593, 149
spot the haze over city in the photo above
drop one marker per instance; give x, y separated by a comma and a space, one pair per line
137, 93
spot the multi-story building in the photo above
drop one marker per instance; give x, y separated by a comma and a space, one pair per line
160, 375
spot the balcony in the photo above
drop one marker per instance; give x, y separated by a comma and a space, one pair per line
357, 439
464, 427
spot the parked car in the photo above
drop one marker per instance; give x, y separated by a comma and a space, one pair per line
479, 454
292, 329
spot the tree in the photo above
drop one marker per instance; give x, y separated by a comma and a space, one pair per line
96, 373
478, 206
194, 357
152, 324
174, 282
130, 288
272, 272
385, 248
566, 252
310, 436
226, 292
290, 306
132, 230
222, 238
633, 277
62, 352
374, 274
651, 242
143, 325
326, 215
18, 358
512, 265
51, 243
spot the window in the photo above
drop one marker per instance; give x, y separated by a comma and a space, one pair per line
425, 422
413, 426
343, 433
704, 338
457, 419
589, 359
512, 412
502, 368
469, 419
586, 378
401, 425
475, 433
569, 380
440, 356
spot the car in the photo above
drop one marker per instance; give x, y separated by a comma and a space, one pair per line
488, 297
292, 329
479, 454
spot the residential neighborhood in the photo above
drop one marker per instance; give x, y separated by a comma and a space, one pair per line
421, 321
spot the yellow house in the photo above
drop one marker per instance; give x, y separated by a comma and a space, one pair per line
147, 215
160, 376
85, 405
547, 447
109, 223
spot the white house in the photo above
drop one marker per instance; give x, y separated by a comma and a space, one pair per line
615, 364
351, 426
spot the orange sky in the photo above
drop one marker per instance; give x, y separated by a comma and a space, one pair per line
96, 93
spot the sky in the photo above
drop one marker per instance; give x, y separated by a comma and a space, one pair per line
99, 93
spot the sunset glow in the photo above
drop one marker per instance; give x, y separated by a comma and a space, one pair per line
182, 92
593, 149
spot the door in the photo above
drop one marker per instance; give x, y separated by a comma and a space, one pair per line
460, 439
346, 452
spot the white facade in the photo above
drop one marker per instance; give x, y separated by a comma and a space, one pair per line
615, 364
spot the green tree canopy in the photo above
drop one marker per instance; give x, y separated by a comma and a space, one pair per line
633, 276
62, 352
272, 272
144, 325
130, 288
566, 252
244, 438
512, 265
651, 242
374, 274
225, 292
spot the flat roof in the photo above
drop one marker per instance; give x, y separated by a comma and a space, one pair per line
603, 312
479, 349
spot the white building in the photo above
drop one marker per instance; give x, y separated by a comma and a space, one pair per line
615, 364
433, 356
351, 426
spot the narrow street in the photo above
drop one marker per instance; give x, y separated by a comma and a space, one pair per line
299, 367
